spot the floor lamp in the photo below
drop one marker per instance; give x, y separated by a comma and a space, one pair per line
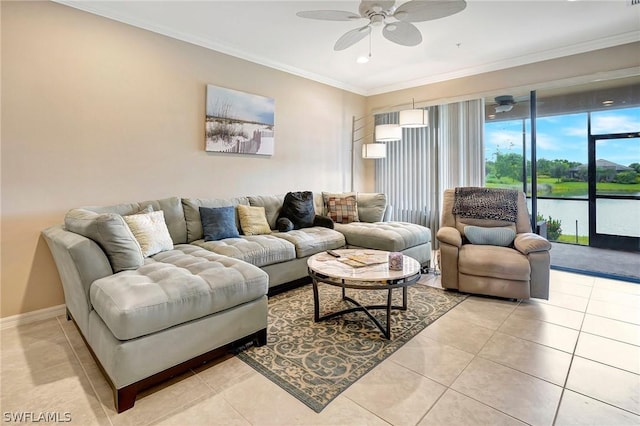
362, 130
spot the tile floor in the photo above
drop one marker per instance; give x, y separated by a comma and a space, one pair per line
574, 359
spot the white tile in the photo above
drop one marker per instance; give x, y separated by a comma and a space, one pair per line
552, 314
576, 409
614, 311
520, 395
613, 329
545, 333
611, 352
607, 384
532, 358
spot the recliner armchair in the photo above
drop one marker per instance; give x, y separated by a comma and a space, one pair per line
519, 270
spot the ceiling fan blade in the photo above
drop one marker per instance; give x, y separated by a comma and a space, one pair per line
352, 37
402, 33
427, 10
329, 15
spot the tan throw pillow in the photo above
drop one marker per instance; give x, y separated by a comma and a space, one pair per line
343, 209
151, 232
253, 220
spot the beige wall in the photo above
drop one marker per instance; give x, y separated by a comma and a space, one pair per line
96, 112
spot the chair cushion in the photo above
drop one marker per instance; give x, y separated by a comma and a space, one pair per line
493, 261
259, 250
174, 287
371, 206
313, 240
498, 236
388, 236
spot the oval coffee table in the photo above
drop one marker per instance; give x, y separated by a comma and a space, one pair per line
376, 276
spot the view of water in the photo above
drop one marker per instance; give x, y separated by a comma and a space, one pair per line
613, 217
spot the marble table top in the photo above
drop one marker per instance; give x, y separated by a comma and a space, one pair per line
324, 263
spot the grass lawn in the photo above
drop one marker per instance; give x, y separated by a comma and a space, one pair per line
582, 239
565, 189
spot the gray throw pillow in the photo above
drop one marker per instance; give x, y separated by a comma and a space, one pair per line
111, 233
498, 236
219, 223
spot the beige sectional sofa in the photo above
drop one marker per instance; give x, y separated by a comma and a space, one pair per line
149, 309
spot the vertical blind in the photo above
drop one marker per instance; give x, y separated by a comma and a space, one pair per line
428, 160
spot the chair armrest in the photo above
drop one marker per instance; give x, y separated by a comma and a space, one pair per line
530, 243
449, 235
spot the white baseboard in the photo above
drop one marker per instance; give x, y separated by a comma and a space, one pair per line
34, 316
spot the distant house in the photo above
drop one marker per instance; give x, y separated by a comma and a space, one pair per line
601, 164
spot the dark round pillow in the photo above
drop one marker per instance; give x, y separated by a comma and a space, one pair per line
284, 225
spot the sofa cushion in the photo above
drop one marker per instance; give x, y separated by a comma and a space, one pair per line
253, 220
493, 261
111, 233
191, 208
272, 205
498, 236
298, 208
389, 236
343, 209
371, 206
259, 250
313, 240
218, 223
150, 232
174, 287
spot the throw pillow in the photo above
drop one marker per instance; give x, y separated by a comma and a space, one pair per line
343, 209
150, 231
253, 220
111, 233
499, 236
218, 223
298, 208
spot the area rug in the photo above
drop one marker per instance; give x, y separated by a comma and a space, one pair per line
315, 362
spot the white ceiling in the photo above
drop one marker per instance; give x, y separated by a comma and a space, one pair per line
486, 36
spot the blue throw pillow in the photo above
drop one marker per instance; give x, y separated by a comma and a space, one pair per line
218, 223
499, 236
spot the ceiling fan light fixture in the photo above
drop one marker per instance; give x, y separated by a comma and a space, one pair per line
504, 108
388, 132
362, 59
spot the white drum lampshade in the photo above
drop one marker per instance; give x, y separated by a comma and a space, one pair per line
414, 118
388, 132
374, 150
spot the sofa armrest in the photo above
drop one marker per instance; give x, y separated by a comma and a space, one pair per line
80, 261
449, 235
388, 211
529, 242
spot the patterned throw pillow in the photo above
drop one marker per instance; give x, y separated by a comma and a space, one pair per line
253, 220
498, 236
150, 230
343, 209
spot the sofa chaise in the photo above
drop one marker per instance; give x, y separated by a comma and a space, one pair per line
154, 292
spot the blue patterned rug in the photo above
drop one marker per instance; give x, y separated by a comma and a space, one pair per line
315, 362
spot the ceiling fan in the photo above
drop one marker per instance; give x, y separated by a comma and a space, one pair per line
397, 21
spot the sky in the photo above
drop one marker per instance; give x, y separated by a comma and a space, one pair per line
564, 137
243, 106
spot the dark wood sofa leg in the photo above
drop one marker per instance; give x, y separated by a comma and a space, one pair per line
125, 398
69, 317
261, 337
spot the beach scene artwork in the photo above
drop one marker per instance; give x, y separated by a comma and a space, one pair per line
239, 122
